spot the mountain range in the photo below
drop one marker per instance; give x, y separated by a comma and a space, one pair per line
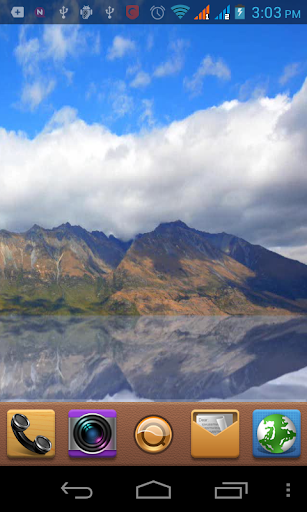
173, 270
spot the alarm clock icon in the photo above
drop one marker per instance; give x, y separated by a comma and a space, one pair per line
157, 12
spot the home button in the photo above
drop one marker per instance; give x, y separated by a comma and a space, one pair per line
153, 490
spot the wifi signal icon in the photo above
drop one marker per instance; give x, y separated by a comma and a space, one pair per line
180, 10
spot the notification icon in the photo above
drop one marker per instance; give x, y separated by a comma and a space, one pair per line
18, 12
132, 11
39, 12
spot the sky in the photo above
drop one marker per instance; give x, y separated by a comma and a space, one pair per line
118, 128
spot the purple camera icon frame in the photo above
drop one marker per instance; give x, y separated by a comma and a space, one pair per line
80, 421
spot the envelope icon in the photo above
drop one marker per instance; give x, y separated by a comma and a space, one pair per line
205, 444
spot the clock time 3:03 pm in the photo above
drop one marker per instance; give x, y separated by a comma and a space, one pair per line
275, 12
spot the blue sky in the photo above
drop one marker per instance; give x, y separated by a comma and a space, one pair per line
119, 128
80, 70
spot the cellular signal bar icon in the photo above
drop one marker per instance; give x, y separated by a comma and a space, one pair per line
225, 14
204, 14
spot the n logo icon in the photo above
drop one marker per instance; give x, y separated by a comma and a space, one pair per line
204, 14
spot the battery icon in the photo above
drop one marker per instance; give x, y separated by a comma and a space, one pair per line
240, 12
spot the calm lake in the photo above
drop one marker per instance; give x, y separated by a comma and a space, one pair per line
153, 358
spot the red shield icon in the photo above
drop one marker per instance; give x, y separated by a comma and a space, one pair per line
132, 11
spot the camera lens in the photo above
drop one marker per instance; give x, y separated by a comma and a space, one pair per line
92, 433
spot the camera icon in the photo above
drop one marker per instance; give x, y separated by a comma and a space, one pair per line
92, 433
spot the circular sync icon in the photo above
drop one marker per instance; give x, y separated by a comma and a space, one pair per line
157, 12
153, 434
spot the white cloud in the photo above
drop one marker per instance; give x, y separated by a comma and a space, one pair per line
116, 94
208, 67
171, 66
133, 69
147, 116
253, 88
121, 102
63, 118
238, 168
176, 61
58, 42
27, 52
140, 80
55, 46
34, 93
290, 71
120, 47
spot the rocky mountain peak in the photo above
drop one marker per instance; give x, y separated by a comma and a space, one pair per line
172, 225
35, 228
66, 225
173, 269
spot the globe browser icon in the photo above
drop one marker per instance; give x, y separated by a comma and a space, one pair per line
276, 433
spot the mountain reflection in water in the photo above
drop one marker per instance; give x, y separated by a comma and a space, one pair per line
152, 358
